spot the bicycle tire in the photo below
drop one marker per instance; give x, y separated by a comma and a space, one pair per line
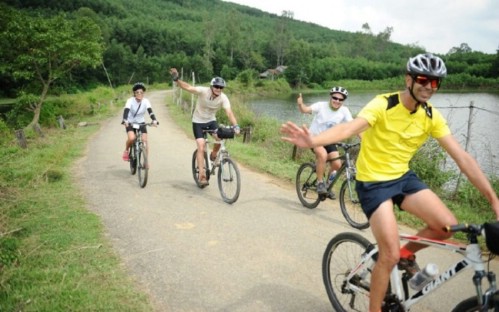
143, 167
195, 168
350, 205
132, 159
306, 185
471, 305
229, 180
342, 254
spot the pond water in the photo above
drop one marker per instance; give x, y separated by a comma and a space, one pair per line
482, 119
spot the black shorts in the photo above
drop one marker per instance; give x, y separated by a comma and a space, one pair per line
143, 128
197, 128
329, 148
373, 194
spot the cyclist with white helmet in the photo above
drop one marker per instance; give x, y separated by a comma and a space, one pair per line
394, 126
134, 112
209, 101
326, 115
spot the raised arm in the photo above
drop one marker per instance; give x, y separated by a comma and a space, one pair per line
301, 137
182, 84
301, 106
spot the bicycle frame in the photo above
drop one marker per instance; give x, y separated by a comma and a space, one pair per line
222, 152
472, 258
228, 178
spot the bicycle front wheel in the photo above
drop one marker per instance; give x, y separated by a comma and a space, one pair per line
132, 159
142, 166
195, 168
471, 305
350, 206
306, 185
229, 180
342, 255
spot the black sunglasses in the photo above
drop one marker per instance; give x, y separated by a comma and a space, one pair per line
337, 98
218, 87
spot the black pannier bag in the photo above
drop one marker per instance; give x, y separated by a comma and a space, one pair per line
225, 133
492, 236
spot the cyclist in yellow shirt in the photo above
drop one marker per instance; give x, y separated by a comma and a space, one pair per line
393, 127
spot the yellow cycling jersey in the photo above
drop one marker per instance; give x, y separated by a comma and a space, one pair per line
394, 136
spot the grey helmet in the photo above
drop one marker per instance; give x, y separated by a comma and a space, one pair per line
339, 90
139, 85
427, 64
218, 81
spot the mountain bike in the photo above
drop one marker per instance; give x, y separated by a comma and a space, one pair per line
349, 258
229, 178
138, 155
306, 186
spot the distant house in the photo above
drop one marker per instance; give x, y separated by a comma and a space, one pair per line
273, 73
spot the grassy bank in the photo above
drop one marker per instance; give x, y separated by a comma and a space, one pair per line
53, 252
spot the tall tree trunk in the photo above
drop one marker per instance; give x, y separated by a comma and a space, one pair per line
38, 107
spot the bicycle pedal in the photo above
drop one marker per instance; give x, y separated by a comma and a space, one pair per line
323, 197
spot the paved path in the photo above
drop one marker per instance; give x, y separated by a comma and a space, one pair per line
192, 252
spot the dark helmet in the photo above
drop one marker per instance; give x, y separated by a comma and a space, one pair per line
139, 85
217, 81
339, 90
427, 64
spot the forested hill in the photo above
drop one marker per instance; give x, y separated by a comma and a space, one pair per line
142, 39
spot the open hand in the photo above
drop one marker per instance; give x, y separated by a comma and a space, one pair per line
298, 136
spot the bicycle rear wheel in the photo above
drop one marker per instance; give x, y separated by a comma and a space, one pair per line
132, 159
471, 305
143, 167
229, 180
350, 206
195, 168
342, 255
306, 185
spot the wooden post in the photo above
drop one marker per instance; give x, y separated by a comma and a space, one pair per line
295, 150
21, 138
60, 119
247, 132
467, 144
38, 130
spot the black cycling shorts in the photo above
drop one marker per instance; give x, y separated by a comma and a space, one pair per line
197, 128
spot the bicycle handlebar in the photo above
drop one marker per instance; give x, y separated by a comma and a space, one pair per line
464, 227
347, 146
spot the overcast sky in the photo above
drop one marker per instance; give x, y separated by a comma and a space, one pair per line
437, 25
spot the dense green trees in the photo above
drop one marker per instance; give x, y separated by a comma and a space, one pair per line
142, 39
43, 50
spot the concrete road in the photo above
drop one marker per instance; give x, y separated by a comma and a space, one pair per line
192, 252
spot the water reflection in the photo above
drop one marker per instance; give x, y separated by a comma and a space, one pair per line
483, 128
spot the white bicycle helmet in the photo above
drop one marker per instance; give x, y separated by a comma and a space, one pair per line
427, 64
218, 81
340, 90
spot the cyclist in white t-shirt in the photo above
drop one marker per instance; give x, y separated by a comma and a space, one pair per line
209, 101
134, 112
326, 115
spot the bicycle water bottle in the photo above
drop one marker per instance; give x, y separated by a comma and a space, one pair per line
331, 177
423, 277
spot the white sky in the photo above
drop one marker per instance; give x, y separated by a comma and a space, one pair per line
436, 25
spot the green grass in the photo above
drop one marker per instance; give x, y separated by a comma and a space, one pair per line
53, 253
